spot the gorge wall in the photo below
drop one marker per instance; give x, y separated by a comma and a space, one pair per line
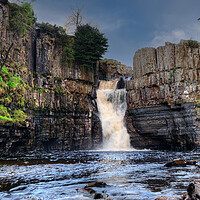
163, 97
58, 97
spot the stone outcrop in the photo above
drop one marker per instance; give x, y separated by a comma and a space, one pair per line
163, 97
112, 69
193, 193
59, 98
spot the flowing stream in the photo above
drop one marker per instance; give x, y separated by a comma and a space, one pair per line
127, 174
112, 107
135, 175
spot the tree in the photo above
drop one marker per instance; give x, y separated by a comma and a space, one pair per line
74, 20
90, 45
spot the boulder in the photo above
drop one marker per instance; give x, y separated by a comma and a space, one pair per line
191, 162
176, 162
167, 198
97, 196
96, 184
193, 191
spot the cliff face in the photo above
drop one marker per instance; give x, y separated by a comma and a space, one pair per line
163, 97
59, 98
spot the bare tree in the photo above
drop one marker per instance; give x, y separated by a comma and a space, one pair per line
74, 20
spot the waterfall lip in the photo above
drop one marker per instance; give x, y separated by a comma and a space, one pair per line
120, 83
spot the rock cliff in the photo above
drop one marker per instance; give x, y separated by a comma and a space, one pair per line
163, 97
58, 97
112, 69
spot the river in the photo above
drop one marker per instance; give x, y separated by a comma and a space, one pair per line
131, 175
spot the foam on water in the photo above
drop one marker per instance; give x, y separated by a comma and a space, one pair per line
112, 107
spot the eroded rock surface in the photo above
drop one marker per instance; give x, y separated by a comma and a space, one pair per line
163, 97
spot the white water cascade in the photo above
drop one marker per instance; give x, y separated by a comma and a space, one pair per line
111, 104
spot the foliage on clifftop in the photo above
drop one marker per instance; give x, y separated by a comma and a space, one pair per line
112, 62
21, 18
193, 44
56, 32
85, 47
90, 45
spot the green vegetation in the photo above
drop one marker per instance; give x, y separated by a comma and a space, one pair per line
90, 45
2, 83
18, 117
21, 18
86, 47
12, 89
68, 54
193, 44
57, 33
40, 90
5, 71
12, 84
4, 111
172, 73
61, 39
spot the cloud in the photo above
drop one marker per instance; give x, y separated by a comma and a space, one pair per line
112, 25
175, 35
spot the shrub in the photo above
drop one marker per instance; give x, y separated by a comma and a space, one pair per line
2, 82
17, 80
54, 31
193, 44
19, 117
4, 119
4, 111
11, 84
7, 100
21, 18
5, 71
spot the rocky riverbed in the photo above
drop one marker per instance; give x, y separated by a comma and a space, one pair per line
136, 175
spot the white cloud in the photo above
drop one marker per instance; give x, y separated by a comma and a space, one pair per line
191, 31
111, 25
173, 36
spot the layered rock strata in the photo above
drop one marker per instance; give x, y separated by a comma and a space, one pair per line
163, 97
59, 97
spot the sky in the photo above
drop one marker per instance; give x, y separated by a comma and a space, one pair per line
129, 25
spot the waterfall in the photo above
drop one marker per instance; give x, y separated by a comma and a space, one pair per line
111, 104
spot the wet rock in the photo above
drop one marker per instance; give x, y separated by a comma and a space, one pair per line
89, 190
184, 196
97, 196
198, 165
167, 198
176, 162
191, 162
193, 191
96, 184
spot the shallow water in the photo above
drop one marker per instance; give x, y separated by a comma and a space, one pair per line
128, 175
